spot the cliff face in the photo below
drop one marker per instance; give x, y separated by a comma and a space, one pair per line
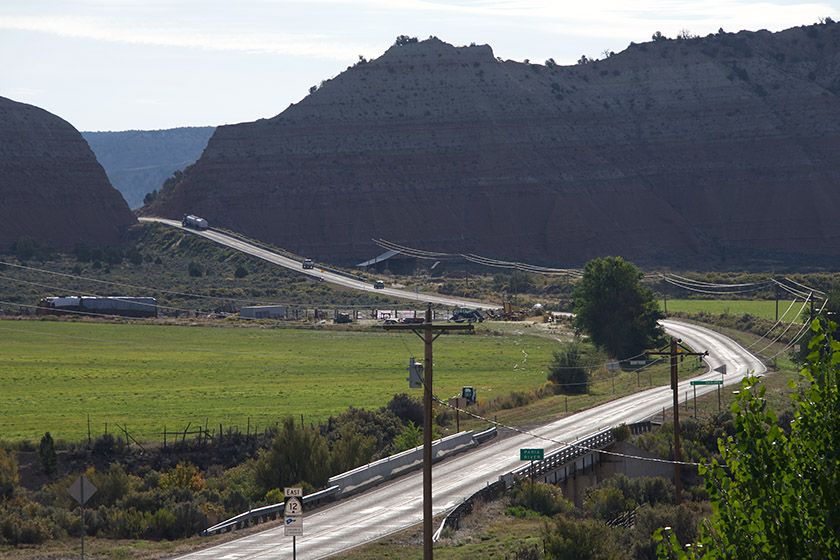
51, 186
667, 152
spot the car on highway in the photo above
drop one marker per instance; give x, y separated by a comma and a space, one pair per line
413, 320
379, 285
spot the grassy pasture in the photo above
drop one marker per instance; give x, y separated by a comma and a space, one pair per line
758, 308
144, 376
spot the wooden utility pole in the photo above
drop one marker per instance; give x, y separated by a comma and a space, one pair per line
674, 352
428, 333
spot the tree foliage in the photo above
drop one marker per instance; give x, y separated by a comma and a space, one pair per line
298, 453
614, 309
568, 370
8, 474
778, 496
410, 437
47, 455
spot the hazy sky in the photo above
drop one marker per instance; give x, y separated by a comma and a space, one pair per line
153, 64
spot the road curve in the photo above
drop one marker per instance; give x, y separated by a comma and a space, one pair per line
319, 273
398, 505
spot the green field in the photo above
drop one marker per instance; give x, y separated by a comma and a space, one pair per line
761, 308
54, 374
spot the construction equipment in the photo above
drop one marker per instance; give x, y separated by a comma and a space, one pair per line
468, 315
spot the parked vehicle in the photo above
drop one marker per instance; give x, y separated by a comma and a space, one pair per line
342, 318
194, 222
468, 315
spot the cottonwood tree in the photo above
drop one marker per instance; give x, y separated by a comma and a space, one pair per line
614, 309
774, 495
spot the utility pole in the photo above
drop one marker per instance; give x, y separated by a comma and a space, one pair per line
428, 333
673, 352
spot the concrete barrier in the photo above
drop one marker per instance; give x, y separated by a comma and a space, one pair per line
369, 475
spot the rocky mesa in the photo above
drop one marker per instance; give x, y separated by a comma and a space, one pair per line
697, 151
52, 188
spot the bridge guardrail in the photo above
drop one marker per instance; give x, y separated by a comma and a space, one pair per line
270, 512
551, 462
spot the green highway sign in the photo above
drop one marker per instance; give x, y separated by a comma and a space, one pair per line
531, 455
713, 382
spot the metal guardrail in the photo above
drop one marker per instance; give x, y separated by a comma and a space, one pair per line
267, 513
316, 499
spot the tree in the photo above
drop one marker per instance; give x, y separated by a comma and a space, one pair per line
658, 36
778, 496
403, 40
410, 437
8, 474
351, 449
568, 371
614, 309
297, 454
46, 454
407, 408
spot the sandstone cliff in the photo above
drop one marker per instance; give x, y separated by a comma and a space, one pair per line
51, 186
691, 151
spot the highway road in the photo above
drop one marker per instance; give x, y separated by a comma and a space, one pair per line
320, 273
398, 505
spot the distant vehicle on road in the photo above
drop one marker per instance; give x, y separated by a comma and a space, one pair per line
194, 222
307, 263
413, 320
379, 285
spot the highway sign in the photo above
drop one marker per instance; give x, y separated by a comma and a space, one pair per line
712, 382
293, 506
531, 454
81, 490
294, 526
612, 366
293, 492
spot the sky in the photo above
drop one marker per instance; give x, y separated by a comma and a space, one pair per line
157, 64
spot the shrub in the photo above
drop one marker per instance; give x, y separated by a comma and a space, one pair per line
195, 269
542, 498
184, 476
567, 370
621, 432
407, 408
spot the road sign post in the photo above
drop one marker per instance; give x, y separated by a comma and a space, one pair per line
293, 515
82, 490
531, 454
